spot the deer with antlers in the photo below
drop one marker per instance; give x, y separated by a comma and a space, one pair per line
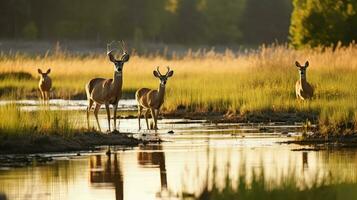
107, 91
303, 89
152, 100
45, 85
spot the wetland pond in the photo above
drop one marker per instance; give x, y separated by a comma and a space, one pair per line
196, 154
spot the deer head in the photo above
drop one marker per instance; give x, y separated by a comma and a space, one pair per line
301, 68
163, 78
118, 64
43, 75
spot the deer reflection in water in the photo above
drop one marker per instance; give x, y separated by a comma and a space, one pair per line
305, 163
152, 156
109, 173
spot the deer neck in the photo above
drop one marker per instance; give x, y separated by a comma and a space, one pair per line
117, 82
303, 77
161, 93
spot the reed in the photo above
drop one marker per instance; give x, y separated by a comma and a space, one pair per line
288, 188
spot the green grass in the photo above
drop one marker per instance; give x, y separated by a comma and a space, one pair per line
288, 188
15, 122
254, 82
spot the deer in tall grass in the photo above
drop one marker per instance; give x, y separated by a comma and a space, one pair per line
45, 85
152, 100
107, 91
303, 89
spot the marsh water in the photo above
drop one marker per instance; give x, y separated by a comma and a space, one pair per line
195, 154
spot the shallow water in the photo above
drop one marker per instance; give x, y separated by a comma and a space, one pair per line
61, 104
188, 159
183, 163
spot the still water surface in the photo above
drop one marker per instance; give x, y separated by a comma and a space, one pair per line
184, 162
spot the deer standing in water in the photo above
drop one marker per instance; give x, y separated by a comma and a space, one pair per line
107, 91
303, 89
152, 100
45, 85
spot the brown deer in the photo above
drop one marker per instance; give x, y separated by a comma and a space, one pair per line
107, 91
45, 85
302, 88
152, 100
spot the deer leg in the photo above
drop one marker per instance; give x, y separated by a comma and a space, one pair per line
96, 110
108, 114
139, 115
146, 119
153, 118
42, 97
47, 97
156, 116
90, 103
115, 107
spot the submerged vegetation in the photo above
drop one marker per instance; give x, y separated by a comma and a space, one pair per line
253, 82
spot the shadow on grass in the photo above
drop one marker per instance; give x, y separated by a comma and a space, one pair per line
16, 76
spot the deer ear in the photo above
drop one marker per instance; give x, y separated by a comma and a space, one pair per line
111, 57
39, 71
48, 71
156, 74
297, 64
307, 64
170, 74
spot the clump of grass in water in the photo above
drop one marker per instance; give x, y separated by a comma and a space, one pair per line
289, 188
15, 122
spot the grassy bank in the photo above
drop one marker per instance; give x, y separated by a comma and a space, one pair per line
16, 122
252, 83
50, 131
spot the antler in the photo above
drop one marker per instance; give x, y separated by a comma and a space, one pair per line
109, 51
109, 47
158, 71
168, 70
123, 46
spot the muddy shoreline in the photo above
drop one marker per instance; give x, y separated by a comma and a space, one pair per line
253, 117
28, 144
346, 141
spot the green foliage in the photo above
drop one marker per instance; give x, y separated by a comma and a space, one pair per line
323, 22
30, 31
184, 21
265, 21
223, 20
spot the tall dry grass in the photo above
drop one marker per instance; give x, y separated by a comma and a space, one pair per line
250, 81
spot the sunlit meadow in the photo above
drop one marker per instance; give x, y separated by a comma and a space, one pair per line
252, 81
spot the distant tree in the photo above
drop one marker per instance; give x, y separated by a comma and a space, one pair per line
265, 21
142, 18
188, 24
223, 20
323, 22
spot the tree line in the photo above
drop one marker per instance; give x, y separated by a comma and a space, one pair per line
170, 21
301, 22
